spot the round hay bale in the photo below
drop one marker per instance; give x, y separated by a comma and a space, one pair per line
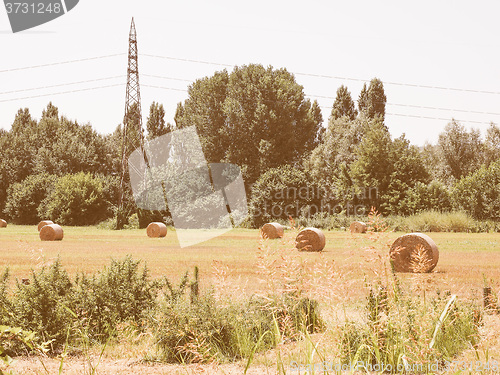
272, 231
51, 232
3, 224
156, 230
310, 239
357, 227
414, 252
44, 223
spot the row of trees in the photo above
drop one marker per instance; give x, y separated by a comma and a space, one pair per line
259, 119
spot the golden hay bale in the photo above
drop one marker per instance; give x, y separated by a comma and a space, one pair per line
414, 252
357, 227
3, 224
310, 239
51, 232
156, 230
272, 231
44, 223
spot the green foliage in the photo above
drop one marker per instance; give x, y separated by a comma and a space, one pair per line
23, 198
78, 199
155, 124
40, 305
257, 118
58, 309
280, 193
435, 221
479, 193
392, 167
372, 100
492, 144
424, 197
53, 145
343, 105
12, 338
206, 329
398, 331
330, 162
462, 151
122, 292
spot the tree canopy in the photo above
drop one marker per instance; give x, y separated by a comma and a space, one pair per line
255, 117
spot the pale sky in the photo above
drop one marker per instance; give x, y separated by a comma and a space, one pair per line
448, 44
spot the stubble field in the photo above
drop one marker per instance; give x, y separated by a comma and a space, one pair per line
466, 261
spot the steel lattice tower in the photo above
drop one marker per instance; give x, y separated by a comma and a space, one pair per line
132, 133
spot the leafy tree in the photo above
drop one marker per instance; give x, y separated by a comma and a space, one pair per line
492, 144
462, 151
372, 99
156, 121
24, 198
363, 100
479, 193
426, 197
77, 199
279, 193
408, 170
391, 167
330, 161
373, 165
50, 112
255, 117
344, 105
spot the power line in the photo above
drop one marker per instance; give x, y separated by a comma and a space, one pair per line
170, 78
163, 88
61, 63
422, 107
186, 60
338, 77
330, 107
61, 92
187, 80
228, 65
60, 85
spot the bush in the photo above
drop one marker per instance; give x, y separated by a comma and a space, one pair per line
79, 199
398, 324
23, 198
424, 197
57, 309
41, 306
120, 293
280, 193
479, 193
435, 221
206, 329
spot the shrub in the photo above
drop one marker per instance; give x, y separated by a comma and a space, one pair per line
206, 329
59, 310
41, 306
434, 221
280, 193
424, 197
400, 328
23, 198
122, 292
203, 329
479, 193
78, 199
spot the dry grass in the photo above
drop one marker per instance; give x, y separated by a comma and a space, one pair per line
240, 263
465, 258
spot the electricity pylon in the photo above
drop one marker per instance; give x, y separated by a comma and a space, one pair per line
132, 132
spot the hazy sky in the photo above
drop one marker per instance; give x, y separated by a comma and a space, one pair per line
453, 45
